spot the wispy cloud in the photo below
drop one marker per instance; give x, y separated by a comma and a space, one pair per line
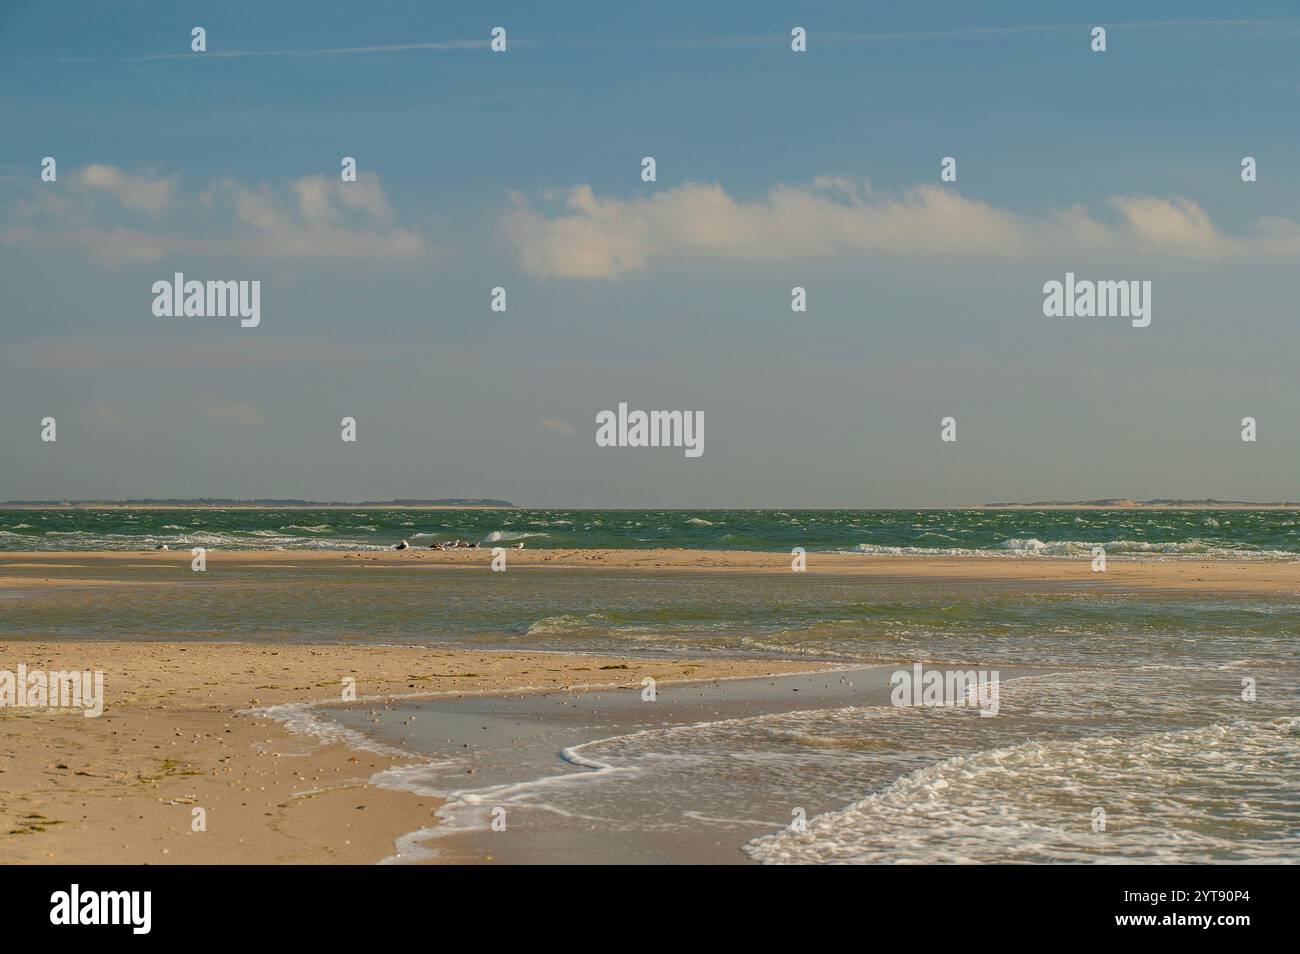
1011, 30
316, 218
140, 193
1270, 26
582, 235
436, 46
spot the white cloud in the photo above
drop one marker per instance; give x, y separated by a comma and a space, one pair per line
1171, 223
315, 219
366, 196
137, 193
840, 218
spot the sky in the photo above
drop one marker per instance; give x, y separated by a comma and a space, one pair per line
522, 169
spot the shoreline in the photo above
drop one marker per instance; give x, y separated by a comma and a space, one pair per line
1125, 507
186, 726
519, 770
253, 727
1146, 572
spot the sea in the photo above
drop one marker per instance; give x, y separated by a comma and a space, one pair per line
1227, 534
1152, 726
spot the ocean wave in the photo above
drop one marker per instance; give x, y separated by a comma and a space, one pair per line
83, 540
591, 625
1037, 802
564, 624
1034, 547
501, 536
875, 549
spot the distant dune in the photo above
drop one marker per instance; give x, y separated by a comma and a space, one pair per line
1160, 503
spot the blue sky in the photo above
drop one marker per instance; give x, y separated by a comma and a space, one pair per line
775, 169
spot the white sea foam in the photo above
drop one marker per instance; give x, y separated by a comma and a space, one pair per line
1168, 797
874, 549
501, 536
1034, 547
245, 540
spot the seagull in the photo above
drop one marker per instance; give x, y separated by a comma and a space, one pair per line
402, 546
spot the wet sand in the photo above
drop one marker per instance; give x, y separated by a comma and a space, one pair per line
1181, 573
177, 734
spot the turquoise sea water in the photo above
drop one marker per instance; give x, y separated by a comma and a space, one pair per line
1260, 534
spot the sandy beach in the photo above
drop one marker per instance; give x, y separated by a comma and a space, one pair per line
177, 733
193, 660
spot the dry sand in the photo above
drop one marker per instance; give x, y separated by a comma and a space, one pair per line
176, 734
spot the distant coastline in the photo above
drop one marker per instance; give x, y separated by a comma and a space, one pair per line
470, 503
1159, 503
218, 503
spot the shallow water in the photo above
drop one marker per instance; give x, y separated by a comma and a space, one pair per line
789, 615
1134, 707
1077, 766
